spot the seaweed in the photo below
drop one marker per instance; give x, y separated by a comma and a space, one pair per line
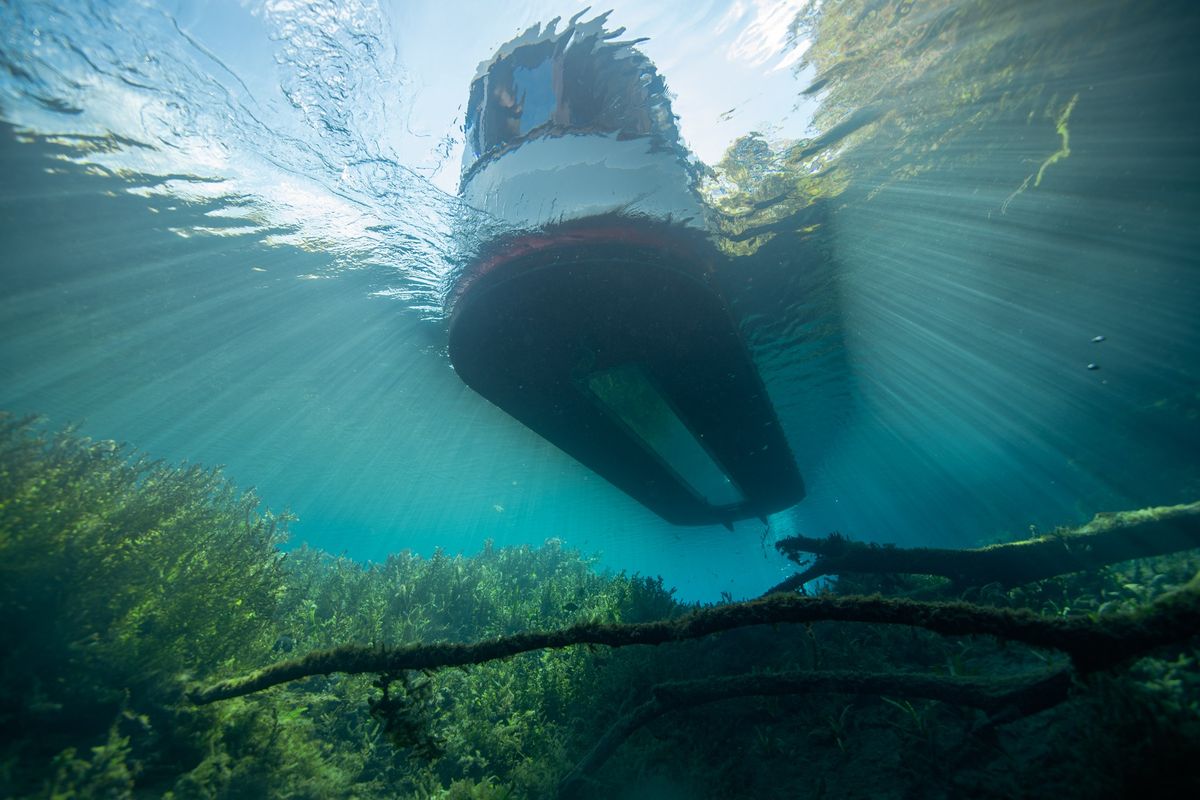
129, 582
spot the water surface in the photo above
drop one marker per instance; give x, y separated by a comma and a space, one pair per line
970, 280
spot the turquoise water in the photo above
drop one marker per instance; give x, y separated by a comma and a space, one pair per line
228, 232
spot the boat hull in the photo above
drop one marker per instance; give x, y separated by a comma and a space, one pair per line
609, 341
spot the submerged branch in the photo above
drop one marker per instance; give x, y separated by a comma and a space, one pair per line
1092, 645
1019, 696
1107, 539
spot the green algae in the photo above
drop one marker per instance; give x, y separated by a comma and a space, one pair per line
126, 580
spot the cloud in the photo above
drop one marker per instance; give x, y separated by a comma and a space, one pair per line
764, 38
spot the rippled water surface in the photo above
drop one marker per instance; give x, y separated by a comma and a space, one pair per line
962, 245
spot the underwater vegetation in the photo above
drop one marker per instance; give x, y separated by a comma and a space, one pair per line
128, 583
125, 579
131, 588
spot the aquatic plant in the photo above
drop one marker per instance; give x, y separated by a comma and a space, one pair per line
123, 578
119, 576
104, 714
1092, 644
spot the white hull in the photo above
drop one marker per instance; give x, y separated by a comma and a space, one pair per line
556, 179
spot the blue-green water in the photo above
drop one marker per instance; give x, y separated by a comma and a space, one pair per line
959, 238
223, 242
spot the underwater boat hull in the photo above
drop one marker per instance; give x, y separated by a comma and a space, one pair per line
537, 320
